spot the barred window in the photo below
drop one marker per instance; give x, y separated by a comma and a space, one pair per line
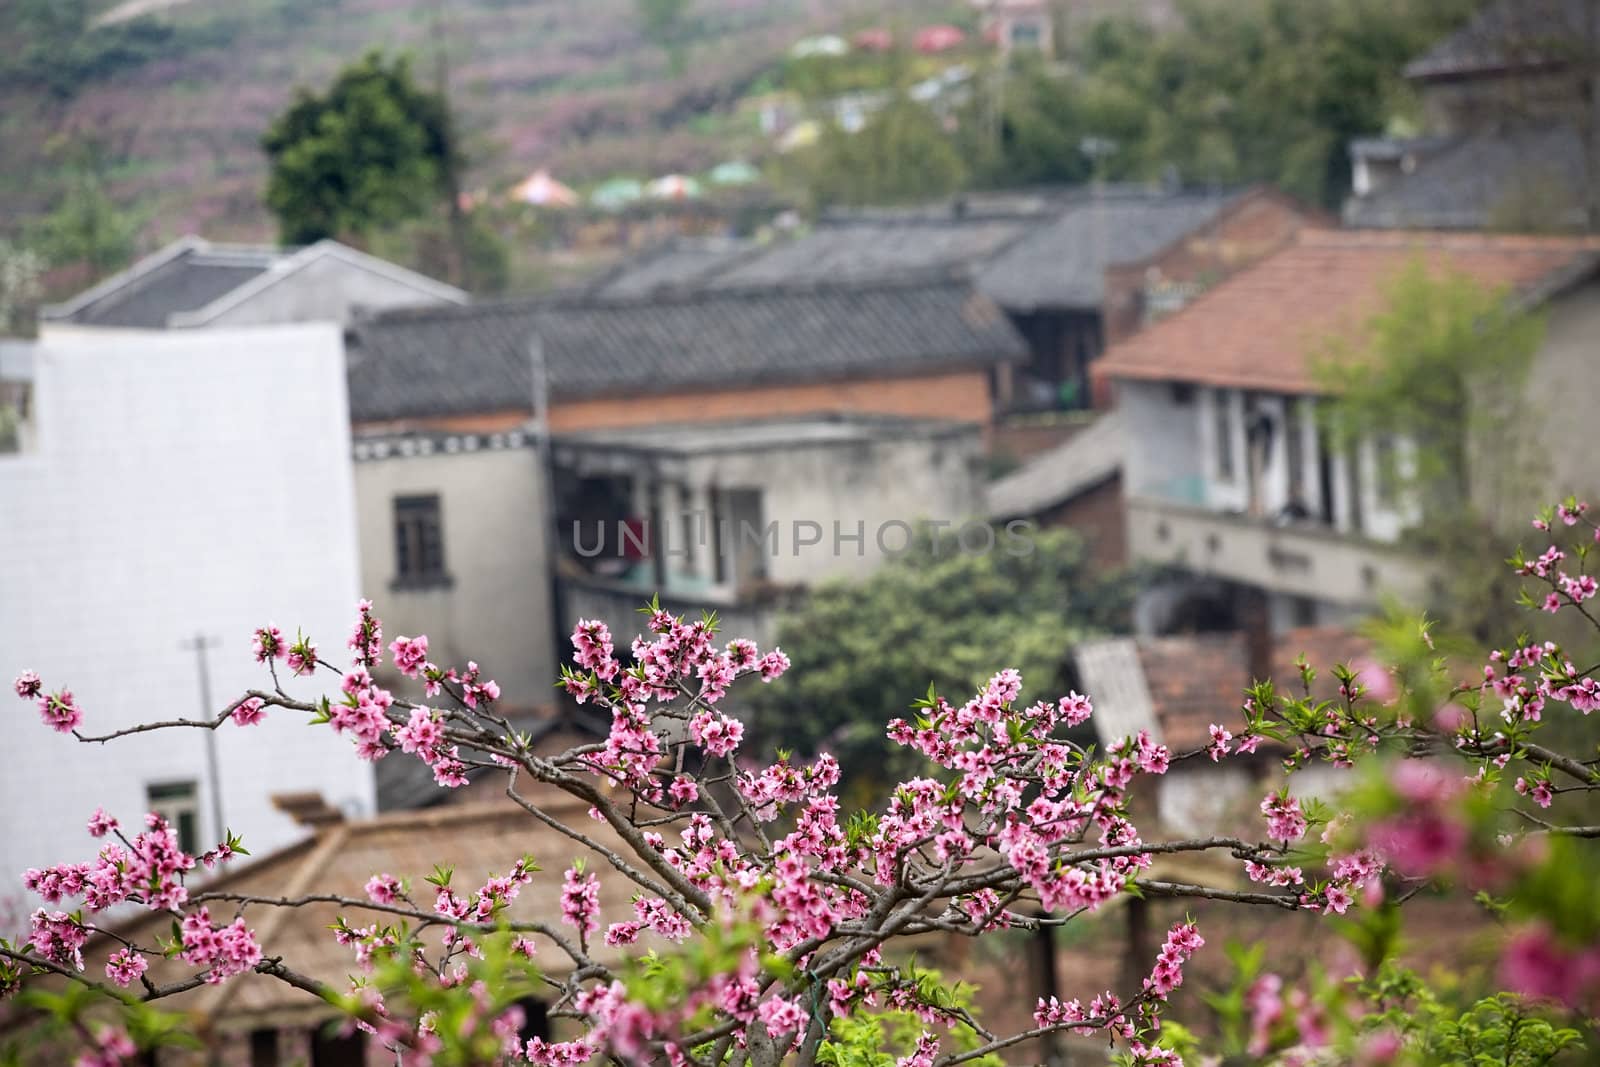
418, 541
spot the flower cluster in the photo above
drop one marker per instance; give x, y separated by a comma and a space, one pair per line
224, 950
1182, 941
58, 710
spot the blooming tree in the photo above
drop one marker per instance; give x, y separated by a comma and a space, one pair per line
786, 912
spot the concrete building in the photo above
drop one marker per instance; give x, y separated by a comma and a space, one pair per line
1229, 473
453, 528
771, 402
194, 283
738, 517
171, 487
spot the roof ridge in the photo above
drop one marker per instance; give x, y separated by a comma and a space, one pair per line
1344, 237
576, 299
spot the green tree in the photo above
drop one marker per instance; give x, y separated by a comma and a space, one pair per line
935, 614
664, 24
20, 288
1443, 365
901, 154
1242, 90
374, 150
86, 227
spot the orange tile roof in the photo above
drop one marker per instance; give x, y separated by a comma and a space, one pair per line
1264, 327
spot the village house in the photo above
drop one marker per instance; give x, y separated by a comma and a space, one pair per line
195, 283
1229, 473
737, 518
1071, 475
1505, 103
1040, 255
169, 493
754, 406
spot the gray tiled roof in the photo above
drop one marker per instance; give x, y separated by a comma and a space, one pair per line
188, 281
1045, 251
1469, 183
1507, 35
1063, 264
442, 361
876, 248
680, 262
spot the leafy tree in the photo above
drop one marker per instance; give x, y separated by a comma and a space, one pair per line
374, 150
663, 24
59, 51
86, 227
20, 289
932, 615
902, 154
1242, 90
1443, 365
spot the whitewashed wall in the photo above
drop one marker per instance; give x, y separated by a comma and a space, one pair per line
182, 483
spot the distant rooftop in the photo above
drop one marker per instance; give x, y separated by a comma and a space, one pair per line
676, 263
1025, 249
452, 361
184, 276
1506, 36
191, 280
1478, 181
1263, 327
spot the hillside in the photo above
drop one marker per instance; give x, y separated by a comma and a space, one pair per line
172, 102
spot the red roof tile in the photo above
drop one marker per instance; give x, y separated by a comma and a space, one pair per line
1264, 327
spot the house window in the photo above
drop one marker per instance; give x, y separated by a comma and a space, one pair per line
1222, 415
331, 1048
179, 804
535, 1019
418, 541
264, 1048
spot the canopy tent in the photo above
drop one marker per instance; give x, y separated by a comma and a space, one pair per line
734, 172
541, 190
616, 194
673, 187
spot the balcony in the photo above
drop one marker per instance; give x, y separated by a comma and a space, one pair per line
1297, 559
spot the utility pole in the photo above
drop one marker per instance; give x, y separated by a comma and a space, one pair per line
548, 533
198, 645
461, 272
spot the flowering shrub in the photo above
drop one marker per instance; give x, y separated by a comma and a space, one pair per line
785, 913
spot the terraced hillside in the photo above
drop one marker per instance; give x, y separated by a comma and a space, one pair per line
173, 100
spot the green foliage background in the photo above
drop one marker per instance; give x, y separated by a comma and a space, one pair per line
863, 651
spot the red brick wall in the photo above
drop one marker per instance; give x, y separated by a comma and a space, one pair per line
1100, 517
962, 395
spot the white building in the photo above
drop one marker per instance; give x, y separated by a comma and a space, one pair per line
167, 486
